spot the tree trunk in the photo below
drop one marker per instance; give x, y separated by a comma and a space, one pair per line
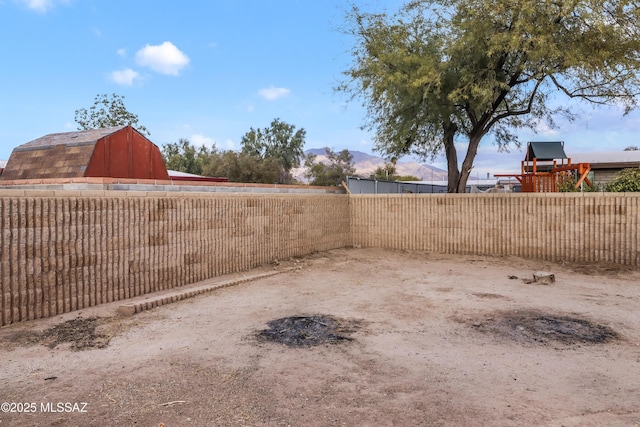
452, 158
285, 177
467, 164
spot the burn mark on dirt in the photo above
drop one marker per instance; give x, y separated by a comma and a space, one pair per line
79, 332
532, 326
308, 331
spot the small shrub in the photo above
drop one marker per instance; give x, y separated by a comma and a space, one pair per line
593, 188
567, 184
626, 180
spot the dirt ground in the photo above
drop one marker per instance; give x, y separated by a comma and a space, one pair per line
424, 340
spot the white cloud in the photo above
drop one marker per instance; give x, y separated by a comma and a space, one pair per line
122, 52
42, 6
38, 5
229, 144
543, 129
272, 93
201, 140
124, 77
165, 58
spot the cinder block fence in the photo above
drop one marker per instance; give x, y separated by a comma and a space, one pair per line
67, 250
76, 250
574, 227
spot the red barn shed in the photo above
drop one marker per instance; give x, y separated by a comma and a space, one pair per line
117, 152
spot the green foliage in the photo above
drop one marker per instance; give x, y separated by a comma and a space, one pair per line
280, 141
632, 148
243, 167
384, 173
107, 112
567, 184
389, 173
184, 157
339, 166
406, 178
440, 71
626, 180
593, 188
237, 167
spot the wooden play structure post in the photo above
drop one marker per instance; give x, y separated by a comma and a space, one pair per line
540, 171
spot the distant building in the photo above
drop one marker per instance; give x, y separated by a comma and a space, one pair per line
116, 152
605, 165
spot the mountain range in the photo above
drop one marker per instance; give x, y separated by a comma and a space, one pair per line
365, 165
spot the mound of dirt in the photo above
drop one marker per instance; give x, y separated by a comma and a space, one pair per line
531, 326
307, 331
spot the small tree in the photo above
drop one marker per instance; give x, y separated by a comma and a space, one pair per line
626, 180
384, 173
107, 112
333, 172
280, 141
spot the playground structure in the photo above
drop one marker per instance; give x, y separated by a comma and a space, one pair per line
546, 166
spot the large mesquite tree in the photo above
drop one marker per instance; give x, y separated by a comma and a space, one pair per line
439, 71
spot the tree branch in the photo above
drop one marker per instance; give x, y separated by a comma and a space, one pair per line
518, 112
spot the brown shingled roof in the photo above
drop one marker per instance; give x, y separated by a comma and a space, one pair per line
69, 154
69, 139
58, 155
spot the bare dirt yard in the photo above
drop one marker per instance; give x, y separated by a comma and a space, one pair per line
352, 337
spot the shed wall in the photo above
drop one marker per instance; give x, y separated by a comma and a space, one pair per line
126, 154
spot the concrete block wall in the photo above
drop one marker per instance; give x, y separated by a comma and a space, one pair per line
67, 250
575, 227
64, 250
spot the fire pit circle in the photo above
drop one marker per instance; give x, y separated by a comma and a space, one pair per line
532, 326
307, 331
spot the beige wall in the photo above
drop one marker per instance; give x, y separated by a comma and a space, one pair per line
604, 176
576, 227
66, 250
76, 250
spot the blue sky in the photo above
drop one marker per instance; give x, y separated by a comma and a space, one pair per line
208, 71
